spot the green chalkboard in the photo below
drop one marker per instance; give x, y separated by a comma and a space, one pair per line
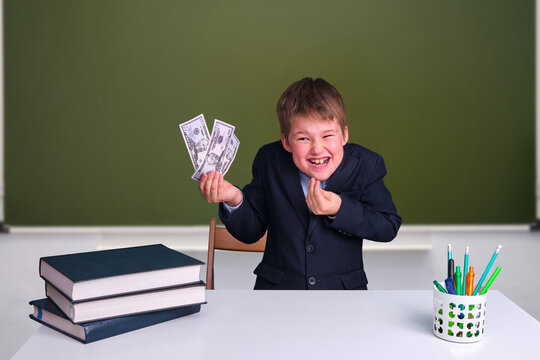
95, 90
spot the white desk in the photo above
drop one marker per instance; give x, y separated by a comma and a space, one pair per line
305, 325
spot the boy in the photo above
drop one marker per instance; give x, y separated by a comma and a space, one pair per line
317, 196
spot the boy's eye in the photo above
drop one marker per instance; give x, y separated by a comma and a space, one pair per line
302, 138
327, 136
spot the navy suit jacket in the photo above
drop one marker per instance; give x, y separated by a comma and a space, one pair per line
307, 251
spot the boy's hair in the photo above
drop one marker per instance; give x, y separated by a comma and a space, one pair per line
310, 97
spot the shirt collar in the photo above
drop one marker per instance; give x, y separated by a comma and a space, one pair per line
304, 181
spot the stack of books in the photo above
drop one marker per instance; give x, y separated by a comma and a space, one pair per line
99, 294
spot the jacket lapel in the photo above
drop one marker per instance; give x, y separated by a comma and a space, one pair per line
343, 173
291, 183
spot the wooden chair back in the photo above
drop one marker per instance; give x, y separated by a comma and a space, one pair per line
219, 238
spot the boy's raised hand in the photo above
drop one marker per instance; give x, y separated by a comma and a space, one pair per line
322, 202
215, 189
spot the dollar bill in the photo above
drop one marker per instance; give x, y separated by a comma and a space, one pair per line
215, 157
197, 139
230, 154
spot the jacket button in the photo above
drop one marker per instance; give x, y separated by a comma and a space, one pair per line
309, 248
312, 281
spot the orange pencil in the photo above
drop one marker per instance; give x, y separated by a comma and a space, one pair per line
470, 280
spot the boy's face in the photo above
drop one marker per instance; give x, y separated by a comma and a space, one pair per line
316, 145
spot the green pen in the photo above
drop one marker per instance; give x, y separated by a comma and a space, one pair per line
441, 289
490, 281
458, 281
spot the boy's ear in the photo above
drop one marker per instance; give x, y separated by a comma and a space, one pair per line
285, 143
345, 135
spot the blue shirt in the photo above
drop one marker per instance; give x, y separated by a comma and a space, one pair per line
304, 181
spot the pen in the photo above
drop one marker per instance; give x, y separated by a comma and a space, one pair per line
450, 286
488, 267
449, 251
439, 286
490, 281
470, 281
465, 267
451, 270
458, 281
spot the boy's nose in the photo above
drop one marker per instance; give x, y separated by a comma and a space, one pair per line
316, 147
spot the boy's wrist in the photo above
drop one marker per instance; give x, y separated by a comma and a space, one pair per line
337, 203
236, 200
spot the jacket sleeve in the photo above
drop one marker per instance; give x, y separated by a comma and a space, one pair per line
369, 212
249, 222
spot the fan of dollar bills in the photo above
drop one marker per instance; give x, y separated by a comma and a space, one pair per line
216, 152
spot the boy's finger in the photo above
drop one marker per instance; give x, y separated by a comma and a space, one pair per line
311, 186
215, 187
315, 199
202, 186
319, 195
312, 206
208, 185
202, 181
220, 181
313, 189
219, 187
309, 195
326, 194
316, 192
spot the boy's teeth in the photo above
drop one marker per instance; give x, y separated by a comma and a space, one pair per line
319, 162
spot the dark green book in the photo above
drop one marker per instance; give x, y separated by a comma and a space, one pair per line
104, 273
46, 313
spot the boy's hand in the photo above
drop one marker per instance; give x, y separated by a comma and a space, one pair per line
215, 189
322, 202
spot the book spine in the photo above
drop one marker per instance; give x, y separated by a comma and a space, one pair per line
103, 329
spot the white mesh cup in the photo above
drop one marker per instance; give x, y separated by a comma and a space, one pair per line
458, 318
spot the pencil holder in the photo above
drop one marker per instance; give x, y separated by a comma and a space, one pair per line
459, 318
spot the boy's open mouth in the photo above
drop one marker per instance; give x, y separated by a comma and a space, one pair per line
319, 162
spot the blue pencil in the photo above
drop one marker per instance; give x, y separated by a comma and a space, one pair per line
487, 270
